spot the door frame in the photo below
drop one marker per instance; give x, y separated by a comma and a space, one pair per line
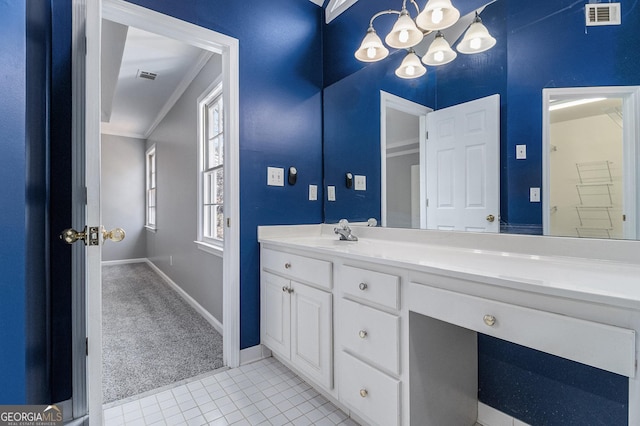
390, 101
86, 22
631, 148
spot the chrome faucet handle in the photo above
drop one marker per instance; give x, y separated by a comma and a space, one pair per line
343, 223
372, 222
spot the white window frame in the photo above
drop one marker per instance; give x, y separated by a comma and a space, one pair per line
336, 7
211, 245
151, 167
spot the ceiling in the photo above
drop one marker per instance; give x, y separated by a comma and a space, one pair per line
133, 106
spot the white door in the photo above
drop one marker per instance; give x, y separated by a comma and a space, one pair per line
275, 313
463, 167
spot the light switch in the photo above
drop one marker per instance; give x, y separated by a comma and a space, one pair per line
313, 192
331, 193
360, 183
521, 152
534, 195
275, 176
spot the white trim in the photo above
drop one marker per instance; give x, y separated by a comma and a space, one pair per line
188, 78
398, 144
336, 7
489, 416
318, 2
210, 248
124, 261
631, 145
187, 298
405, 152
150, 154
253, 354
121, 134
389, 101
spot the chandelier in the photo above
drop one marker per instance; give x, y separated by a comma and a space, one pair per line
408, 32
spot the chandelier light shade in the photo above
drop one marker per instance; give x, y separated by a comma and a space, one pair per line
477, 38
371, 49
438, 15
411, 66
405, 33
440, 52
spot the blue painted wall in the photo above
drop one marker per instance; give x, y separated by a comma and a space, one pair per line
23, 197
539, 44
280, 118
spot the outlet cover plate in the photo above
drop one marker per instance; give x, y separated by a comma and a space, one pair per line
275, 176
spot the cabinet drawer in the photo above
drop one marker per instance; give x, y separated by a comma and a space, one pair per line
371, 286
370, 393
300, 268
598, 345
370, 333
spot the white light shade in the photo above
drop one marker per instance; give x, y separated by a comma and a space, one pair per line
439, 52
404, 34
477, 39
371, 49
411, 67
438, 15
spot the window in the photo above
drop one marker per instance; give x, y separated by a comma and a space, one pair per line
151, 183
211, 173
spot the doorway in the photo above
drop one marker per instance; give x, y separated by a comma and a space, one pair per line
590, 162
87, 19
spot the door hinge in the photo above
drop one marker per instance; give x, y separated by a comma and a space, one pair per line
624, 217
228, 222
427, 202
86, 346
427, 136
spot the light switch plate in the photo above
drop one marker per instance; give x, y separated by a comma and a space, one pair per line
360, 183
313, 192
275, 176
521, 152
331, 193
534, 195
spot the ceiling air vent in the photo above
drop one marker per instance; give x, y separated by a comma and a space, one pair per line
147, 75
602, 14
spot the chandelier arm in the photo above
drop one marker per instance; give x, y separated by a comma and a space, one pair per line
384, 12
415, 4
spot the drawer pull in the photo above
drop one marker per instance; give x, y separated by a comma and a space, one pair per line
363, 286
287, 265
364, 393
284, 289
362, 334
490, 320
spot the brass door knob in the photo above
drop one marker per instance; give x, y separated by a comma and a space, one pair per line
70, 235
491, 218
116, 235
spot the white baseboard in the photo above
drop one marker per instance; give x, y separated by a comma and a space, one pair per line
123, 261
190, 300
253, 354
489, 416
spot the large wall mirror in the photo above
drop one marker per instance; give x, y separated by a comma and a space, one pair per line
543, 53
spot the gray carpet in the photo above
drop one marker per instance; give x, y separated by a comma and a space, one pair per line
151, 336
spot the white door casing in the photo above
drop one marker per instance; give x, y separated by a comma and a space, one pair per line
87, 19
462, 167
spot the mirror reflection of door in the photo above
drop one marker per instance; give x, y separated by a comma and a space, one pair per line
590, 148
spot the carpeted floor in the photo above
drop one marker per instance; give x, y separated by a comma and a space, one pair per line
151, 336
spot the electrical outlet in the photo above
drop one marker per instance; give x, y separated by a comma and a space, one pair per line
534, 195
275, 176
521, 152
331, 193
313, 192
360, 183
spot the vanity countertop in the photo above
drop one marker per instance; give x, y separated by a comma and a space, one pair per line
517, 263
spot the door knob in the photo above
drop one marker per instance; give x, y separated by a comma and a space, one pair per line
90, 236
491, 218
116, 235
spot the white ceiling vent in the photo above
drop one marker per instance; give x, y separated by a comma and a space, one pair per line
147, 75
602, 14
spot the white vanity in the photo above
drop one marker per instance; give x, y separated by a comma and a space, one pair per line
387, 325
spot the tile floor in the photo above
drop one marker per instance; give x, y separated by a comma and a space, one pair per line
262, 393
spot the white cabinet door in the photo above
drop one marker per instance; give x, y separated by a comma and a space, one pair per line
463, 167
275, 313
311, 333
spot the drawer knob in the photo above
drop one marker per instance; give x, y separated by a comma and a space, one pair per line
363, 286
285, 289
287, 265
490, 320
362, 334
364, 393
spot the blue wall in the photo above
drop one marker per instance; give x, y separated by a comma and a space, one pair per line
539, 44
280, 118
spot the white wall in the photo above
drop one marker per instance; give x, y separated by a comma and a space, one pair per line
172, 247
123, 192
